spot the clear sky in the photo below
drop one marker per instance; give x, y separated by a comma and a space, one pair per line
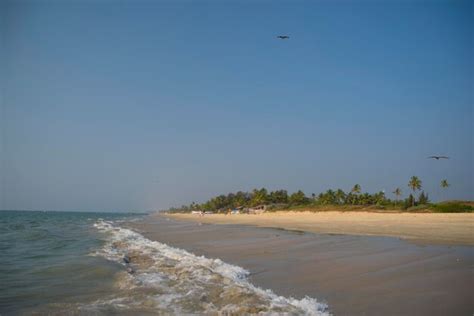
110, 105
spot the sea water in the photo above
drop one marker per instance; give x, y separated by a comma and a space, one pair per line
90, 263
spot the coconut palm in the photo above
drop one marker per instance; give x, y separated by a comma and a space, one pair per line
356, 189
398, 193
414, 184
340, 196
444, 184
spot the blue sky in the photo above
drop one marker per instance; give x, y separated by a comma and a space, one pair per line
112, 105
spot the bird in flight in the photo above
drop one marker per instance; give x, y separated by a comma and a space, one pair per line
438, 157
283, 37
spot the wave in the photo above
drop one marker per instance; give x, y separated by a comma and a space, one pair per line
164, 279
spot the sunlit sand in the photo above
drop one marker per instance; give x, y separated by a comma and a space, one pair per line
421, 227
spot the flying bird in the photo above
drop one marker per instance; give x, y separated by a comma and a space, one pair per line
438, 157
283, 37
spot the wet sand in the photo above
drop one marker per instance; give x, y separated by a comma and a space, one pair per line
429, 228
355, 275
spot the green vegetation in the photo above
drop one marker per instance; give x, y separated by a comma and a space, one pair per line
423, 198
414, 184
398, 193
330, 200
452, 207
444, 184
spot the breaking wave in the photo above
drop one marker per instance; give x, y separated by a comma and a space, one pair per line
158, 278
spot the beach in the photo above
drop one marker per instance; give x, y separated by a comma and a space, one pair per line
354, 274
429, 228
86, 263
228, 158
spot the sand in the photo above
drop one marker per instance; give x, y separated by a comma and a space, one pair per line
429, 228
355, 275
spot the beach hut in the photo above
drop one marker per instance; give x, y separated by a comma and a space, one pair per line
236, 210
258, 209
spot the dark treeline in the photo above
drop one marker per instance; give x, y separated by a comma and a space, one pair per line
280, 199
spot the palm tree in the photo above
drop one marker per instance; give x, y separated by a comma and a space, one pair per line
444, 184
356, 189
397, 193
414, 184
340, 196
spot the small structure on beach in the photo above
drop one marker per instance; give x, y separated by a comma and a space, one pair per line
257, 209
236, 210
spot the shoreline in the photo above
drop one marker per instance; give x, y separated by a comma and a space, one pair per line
424, 228
354, 275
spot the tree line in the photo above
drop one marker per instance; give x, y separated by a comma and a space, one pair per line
282, 199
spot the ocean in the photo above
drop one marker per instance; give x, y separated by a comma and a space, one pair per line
75, 263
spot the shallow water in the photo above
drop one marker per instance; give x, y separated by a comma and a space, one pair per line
45, 259
88, 263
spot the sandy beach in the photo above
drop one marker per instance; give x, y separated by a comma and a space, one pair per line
428, 228
353, 274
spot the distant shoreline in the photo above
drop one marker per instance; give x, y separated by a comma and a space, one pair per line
426, 228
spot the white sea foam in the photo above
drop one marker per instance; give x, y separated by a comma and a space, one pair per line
172, 280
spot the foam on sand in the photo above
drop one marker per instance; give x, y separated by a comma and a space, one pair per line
171, 280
